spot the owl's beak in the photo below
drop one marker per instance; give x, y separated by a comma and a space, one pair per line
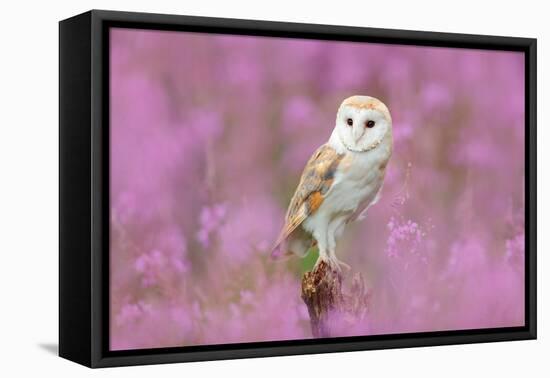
358, 132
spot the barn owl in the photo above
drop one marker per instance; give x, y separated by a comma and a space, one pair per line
341, 180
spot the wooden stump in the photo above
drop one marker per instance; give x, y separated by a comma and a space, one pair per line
324, 296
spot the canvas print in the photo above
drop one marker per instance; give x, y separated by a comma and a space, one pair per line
269, 189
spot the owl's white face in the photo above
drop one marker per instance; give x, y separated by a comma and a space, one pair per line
363, 123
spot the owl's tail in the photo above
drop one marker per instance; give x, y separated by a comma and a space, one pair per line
290, 247
280, 253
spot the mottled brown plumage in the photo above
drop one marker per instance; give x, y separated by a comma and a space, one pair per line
315, 182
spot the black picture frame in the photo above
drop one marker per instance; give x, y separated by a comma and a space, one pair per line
84, 187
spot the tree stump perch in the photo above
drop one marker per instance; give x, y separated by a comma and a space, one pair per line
323, 294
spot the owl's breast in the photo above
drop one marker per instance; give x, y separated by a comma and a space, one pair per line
357, 180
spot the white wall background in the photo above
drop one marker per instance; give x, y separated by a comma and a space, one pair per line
29, 187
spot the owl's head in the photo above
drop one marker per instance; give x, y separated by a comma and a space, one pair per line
362, 122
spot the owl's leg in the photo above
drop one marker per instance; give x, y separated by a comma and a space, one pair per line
335, 230
320, 234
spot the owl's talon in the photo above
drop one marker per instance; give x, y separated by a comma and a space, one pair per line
339, 265
319, 259
343, 264
336, 264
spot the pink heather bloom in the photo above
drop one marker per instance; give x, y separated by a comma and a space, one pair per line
247, 297
515, 248
150, 266
129, 313
404, 234
211, 218
243, 234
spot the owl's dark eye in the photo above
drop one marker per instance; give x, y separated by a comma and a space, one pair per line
349, 122
370, 124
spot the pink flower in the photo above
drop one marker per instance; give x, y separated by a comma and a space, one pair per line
211, 218
515, 249
405, 235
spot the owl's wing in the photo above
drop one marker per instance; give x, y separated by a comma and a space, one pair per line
316, 181
361, 213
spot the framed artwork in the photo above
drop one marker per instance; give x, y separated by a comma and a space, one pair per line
234, 188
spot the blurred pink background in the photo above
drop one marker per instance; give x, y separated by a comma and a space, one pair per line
209, 135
